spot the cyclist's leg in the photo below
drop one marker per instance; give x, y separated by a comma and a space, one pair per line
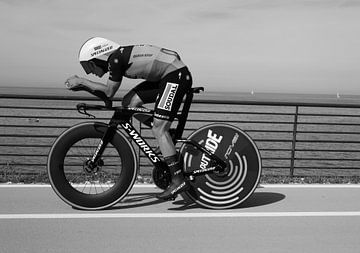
161, 133
178, 183
143, 93
172, 90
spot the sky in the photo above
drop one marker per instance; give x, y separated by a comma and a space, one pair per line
282, 46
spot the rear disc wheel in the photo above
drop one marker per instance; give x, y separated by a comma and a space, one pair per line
228, 188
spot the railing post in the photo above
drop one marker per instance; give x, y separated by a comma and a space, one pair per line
293, 148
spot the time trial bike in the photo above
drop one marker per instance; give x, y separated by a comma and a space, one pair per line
93, 165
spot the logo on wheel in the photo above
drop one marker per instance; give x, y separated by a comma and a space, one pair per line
212, 143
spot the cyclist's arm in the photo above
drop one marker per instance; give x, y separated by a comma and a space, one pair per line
110, 88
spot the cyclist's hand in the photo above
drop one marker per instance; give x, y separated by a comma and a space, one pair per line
72, 82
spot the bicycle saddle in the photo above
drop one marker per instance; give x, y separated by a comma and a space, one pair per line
197, 89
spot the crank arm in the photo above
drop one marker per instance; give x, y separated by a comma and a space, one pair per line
200, 172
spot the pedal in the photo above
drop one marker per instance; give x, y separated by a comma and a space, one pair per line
173, 197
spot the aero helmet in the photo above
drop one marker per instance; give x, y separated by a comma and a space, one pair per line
97, 50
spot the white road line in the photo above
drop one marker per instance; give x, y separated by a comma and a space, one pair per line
176, 215
310, 186
153, 186
48, 186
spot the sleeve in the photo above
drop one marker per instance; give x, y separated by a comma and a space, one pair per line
118, 63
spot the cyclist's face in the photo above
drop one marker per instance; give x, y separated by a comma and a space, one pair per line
96, 70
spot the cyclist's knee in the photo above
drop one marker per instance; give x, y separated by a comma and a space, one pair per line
131, 99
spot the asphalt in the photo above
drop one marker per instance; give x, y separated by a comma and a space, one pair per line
276, 218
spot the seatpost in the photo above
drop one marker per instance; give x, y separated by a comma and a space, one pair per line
184, 114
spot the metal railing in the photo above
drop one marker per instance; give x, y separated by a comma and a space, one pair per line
294, 138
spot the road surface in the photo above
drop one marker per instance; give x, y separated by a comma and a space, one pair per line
276, 218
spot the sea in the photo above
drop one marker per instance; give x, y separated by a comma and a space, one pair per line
207, 95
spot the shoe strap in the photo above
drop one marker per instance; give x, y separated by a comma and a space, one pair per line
175, 163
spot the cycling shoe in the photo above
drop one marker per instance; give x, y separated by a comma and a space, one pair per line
173, 190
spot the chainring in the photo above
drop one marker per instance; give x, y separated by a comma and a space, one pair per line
161, 176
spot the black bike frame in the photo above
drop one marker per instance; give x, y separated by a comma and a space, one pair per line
122, 117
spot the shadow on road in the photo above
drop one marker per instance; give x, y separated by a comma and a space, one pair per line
256, 199
262, 199
134, 200
146, 199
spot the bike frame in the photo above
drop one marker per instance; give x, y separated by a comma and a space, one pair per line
122, 117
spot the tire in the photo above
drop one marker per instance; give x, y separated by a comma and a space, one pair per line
117, 168
241, 177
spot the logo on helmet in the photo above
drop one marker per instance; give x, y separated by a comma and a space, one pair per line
101, 50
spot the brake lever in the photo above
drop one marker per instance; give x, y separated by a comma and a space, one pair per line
82, 109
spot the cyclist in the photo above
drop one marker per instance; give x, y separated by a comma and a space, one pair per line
166, 81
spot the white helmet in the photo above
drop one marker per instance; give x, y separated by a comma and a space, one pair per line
96, 48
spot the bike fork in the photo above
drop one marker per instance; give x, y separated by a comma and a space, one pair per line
109, 134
